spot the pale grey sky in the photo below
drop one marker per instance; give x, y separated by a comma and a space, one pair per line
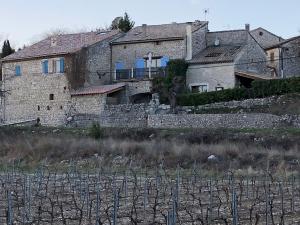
23, 21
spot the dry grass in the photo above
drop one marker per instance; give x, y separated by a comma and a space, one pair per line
30, 150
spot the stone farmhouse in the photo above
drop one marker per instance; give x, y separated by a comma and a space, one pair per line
58, 77
284, 57
160, 43
82, 75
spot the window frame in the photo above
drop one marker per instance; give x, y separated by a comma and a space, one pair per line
18, 71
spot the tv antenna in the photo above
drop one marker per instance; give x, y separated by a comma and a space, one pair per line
206, 12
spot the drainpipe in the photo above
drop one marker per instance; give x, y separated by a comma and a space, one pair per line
281, 59
189, 42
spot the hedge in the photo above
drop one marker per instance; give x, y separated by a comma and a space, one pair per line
259, 89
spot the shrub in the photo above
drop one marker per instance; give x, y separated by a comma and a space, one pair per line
96, 131
260, 89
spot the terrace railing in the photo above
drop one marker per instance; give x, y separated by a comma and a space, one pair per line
140, 74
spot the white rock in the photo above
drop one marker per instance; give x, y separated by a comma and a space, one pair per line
212, 158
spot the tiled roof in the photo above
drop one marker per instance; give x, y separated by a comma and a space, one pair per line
283, 42
216, 54
255, 76
65, 44
104, 89
158, 32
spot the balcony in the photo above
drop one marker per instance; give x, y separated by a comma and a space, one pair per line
140, 74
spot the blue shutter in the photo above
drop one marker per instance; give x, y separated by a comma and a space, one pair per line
140, 64
45, 67
164, 61
62, 65
119, 66
18, 70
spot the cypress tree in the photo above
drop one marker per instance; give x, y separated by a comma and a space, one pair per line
6, 49
125, 23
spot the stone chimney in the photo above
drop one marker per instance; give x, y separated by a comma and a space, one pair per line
189, 42
53, 41
144, 27
247, 27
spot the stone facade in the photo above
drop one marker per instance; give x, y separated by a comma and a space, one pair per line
211, 75
265, 38
35, 95
250, 58
98, 63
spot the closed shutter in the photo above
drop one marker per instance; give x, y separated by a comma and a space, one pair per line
62, 65
45, 67
140, 64
18, 71
164, 61
119, 66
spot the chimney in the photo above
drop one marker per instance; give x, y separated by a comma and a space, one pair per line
189, 42
247, 27
53, 41
144, 27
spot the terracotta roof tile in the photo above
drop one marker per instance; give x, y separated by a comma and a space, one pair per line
158, 32
104, 89
65, 44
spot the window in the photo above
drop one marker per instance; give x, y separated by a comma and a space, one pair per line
39, 108
51, 97
219, 88
261, 33
61, 107
58, 66
124, 46
18, 70
157, 43
48, 107
45, 67
199, 88
155, 63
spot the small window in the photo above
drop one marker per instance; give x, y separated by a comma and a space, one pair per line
51, 97
48, 107
219, 88
39, 108
124, 46
199, 88
61, 107
157, 43
18, 70
261, 33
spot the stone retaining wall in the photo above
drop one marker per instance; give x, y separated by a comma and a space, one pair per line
214, 121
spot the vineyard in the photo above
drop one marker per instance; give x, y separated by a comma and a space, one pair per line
135, 196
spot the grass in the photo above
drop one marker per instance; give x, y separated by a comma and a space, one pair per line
244, 149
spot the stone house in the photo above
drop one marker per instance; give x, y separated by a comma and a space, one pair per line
59, 77
231, 58
284, 57
143, 53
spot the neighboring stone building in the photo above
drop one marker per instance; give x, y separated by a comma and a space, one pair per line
265, 38
133, 53
285, 57
52, 79
231, 58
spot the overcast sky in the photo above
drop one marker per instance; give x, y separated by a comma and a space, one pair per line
24, 21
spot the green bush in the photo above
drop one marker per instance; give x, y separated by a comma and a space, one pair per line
260, 89
95, 131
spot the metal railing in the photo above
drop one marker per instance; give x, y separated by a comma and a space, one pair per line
139, 74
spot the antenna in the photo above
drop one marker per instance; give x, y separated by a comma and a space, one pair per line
206, 12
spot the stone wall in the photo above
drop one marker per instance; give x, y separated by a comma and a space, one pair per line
252, 58
98, 63
234, 37
291, 56
124, 116
234, 121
